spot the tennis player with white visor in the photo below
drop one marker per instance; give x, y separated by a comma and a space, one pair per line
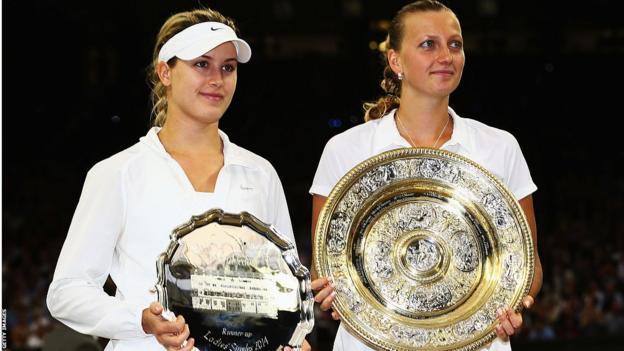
132, 201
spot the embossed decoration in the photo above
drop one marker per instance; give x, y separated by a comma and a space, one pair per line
237, 282
424, 246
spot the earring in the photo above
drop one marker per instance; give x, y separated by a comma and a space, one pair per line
400, 75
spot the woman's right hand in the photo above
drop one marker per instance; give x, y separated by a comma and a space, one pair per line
171, 334
325, 295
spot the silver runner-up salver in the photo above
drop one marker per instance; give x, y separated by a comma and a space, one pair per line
424, 246
238, 283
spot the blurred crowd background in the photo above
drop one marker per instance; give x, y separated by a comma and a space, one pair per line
74, 92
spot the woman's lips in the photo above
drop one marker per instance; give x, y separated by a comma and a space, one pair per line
212, 96
443, 72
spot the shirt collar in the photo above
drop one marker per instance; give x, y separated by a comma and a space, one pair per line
460, 137
232, 153
387, 135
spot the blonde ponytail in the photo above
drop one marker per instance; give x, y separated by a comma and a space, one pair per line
391, 85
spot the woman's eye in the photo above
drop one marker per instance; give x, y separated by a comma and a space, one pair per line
229, 68
201, 64
456, 44
427, 44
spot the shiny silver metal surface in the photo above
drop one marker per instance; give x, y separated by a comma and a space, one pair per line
237, 282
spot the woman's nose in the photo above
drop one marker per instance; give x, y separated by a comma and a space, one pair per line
215, 78
445, 56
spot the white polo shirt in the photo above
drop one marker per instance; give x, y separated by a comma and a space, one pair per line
129, 205
495, 149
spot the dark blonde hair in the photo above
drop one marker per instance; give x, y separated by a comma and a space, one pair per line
175, 24
390, 83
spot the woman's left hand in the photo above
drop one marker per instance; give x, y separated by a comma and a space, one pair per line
511, 321
304, 347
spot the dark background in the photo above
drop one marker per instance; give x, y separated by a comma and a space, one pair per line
75, 92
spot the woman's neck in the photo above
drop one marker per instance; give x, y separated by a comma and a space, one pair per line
190, 139
197, 148
424, 122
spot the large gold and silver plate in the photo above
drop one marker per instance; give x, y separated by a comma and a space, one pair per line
424, 247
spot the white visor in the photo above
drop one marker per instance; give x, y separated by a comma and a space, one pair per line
200, 38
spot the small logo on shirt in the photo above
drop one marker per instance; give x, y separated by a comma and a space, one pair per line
246, 188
